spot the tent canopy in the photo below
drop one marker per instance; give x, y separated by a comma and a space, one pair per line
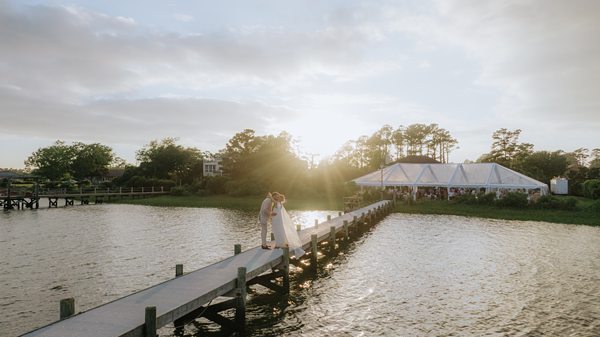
477, 175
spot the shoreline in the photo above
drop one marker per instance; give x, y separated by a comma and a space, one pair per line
436, 207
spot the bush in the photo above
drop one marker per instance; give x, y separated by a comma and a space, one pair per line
514, 200
238, 188
486, 199
591, 188
468, 199
551, 202
216, 185
594, 207
178, 190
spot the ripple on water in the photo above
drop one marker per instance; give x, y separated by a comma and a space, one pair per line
414, 275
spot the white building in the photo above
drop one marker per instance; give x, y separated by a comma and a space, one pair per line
212, 167
559, 185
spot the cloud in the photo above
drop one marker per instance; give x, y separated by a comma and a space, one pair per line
206, 122
543, 55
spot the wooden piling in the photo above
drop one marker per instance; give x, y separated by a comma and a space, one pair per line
237, 248
272, 236
178, 270
329, 218
346, 234
240, 299
316, 223
150, 322
332, 239
339, 213
286, 269
67, 308
313, 251
298, 228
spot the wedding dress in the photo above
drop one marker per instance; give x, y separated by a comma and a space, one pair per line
284, 231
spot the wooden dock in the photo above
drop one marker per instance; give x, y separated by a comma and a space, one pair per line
190, 295
20, 200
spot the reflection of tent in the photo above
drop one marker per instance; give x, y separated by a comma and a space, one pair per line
480, 175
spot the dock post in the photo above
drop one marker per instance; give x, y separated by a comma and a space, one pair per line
316, 223
178, 270
298, 228
339, 213
272, 236
329, 218
346, 234
286, 270
313, 251
240, 299
150, 322
332, 240
237, 248
67, 308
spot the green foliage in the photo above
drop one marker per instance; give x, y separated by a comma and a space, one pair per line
167, 160
544, 165
216, 185
591, 188
178, 191
552, 202
513, 199
80, 161
90, 160
487, 199
594, 207
52, 162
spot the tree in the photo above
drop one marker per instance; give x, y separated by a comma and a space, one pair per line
506, 149
52, 162
91, 160
168, 160
544, 165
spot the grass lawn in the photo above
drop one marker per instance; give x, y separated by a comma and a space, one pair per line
579, 216
241, 203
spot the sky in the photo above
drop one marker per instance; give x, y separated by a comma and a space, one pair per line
123, 73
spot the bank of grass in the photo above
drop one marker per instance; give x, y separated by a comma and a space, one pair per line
249, 203
580, 216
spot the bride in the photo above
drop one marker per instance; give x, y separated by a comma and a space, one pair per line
283, 228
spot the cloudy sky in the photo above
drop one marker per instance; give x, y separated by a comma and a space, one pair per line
125, 72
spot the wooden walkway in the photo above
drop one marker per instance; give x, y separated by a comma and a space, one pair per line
20, 200
178, 297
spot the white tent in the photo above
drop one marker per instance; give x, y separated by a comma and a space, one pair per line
479, 175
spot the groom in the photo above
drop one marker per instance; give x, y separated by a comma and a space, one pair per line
265, 214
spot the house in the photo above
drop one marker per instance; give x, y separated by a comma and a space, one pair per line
212, 167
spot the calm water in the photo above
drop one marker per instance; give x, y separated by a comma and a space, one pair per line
410, 275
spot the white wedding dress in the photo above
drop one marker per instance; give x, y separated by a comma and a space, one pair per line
284, 231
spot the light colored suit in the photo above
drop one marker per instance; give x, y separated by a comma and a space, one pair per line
263, 217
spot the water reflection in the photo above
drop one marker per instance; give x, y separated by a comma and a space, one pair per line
410, 275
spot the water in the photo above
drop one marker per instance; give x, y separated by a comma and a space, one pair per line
410, 275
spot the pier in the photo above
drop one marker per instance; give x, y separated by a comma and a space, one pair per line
19, 199
209, 291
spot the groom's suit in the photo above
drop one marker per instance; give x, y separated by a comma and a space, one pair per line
263, 217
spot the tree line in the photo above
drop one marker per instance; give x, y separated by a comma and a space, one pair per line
253, 164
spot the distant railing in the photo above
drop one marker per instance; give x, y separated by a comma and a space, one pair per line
31, 191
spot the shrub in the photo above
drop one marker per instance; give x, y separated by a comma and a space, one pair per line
514, 200
486, 199
238, 188
177, 190
551, 202
594, 207
468, 199
216, 185
591, 188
